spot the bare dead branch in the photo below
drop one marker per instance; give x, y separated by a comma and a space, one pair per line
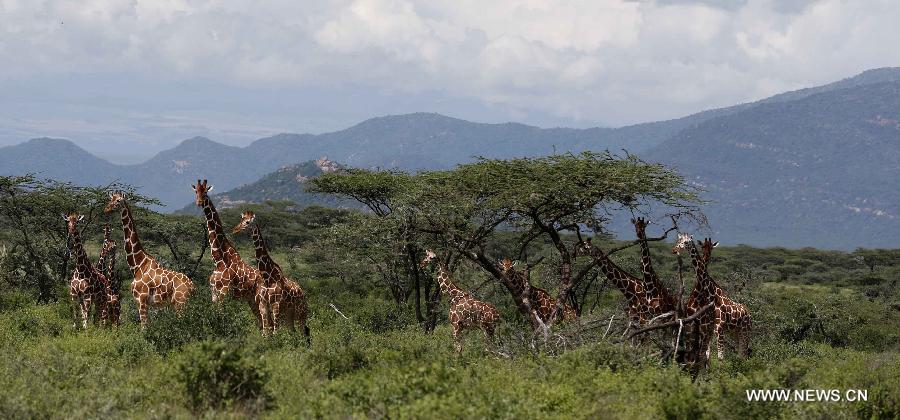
691, 318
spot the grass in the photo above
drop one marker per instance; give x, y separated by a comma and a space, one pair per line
822, 335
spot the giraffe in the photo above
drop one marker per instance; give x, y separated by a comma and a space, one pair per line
231, 274
153, 285
87, 285
658, 296
276, 293
106, 264
728, 316
692, 304
638, 306
466, 312
545, 303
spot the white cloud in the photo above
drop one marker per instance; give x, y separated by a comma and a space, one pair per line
600, 62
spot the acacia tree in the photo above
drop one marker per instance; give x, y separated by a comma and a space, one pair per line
536, 198
389, 238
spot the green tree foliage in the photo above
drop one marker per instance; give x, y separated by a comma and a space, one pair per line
460, 210
33, 236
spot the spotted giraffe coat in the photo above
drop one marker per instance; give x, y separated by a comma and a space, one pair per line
231, 275
277, 293
153, 284
466, 312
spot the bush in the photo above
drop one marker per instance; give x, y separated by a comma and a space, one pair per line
133, 348
200, 320
218, 375
343, 352
14, 299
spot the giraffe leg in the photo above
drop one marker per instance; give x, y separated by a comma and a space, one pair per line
115, 312
457, 339
720, 342
143, 303
304, 328
489, 336
104, 314
293, 318
276, 308
76, 309
85, 309
264, 316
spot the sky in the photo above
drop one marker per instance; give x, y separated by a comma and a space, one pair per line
127, 78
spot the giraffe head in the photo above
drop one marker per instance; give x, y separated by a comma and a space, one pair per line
585, 247
429, 257
506, 265
707, 245
681, 242
72, 220
116, 200
640, 226
247, 218
202, 189
106, 232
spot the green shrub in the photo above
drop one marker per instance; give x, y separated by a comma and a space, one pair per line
343, 352
201, 319
14, 299
133, 348
218, 375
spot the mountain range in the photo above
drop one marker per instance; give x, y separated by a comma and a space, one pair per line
813, 167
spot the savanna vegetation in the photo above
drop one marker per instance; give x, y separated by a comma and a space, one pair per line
381, 344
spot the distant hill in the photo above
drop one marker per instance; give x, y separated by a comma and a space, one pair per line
817, 166
822, 170
287, 183
412, 141
58, 159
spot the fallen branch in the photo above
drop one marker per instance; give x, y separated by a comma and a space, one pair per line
337, 310
609, 326
665, 315
679, 321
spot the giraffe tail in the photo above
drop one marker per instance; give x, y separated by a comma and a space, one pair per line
306, 333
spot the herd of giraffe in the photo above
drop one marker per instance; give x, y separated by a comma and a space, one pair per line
646, 298
275, 299
265, 288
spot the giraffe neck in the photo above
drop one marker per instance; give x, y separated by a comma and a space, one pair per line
218, 243
82, 264
107, 255
646, 262
705, 284
624, 281
134, 251
446, 285
264, 262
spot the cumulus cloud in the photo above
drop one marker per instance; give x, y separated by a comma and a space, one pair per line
589, 62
